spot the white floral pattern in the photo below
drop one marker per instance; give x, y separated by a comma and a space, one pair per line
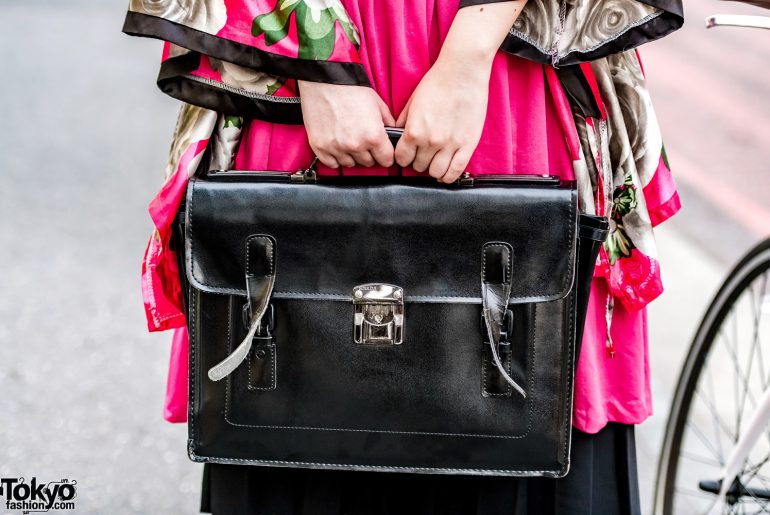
205, 15
246, 79
193, 124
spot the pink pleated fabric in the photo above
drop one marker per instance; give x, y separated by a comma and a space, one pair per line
399, 42
528, 130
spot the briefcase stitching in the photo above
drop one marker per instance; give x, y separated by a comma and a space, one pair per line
508, 266
192, 299
485, 362
563, 291
269, 238
192, 442
273, 358
531, 364
570, 373
374, 468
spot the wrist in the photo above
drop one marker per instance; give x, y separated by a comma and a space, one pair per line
477, 32
459, 49
465, 63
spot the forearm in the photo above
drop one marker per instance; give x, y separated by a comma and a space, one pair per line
477, 33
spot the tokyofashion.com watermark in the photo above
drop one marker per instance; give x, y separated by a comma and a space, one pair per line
37, 496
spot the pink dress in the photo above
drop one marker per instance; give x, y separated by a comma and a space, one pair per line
529, 129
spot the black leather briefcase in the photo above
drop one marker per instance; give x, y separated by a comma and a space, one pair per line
385, 324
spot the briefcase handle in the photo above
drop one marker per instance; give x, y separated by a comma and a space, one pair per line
310, 174
394, 134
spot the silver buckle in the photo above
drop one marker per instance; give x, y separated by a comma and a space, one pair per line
378, 314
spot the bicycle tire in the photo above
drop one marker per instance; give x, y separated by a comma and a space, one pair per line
751, 266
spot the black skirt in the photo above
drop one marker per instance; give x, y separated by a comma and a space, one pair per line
602, 479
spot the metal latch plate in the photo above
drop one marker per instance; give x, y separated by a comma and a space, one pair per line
378, 317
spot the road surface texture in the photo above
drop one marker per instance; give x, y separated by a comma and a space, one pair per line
83, 140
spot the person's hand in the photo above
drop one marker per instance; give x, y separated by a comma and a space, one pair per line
443, 120
444, 117
346, 124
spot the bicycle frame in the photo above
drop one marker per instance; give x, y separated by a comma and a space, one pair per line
757, 426
738, 20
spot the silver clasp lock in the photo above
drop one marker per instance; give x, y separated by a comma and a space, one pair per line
378, 314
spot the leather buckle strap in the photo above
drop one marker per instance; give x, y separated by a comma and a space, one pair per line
496, 271
260, 279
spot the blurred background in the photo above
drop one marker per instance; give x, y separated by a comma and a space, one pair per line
83, 139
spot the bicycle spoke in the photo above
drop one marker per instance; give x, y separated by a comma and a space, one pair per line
749, 488
745, 383
706, 442
758, 313
736, 386
753, 298
754, 475
761, 477
730, 344
700, 459
716, 418
718, 422
761, 503
751, 473
758, 466
695, 493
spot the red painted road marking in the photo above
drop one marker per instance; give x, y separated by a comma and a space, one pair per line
753, 216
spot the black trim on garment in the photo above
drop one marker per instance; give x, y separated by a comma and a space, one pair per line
670, 20
654, 29
174, 80
468, 3
578, 91
145, 25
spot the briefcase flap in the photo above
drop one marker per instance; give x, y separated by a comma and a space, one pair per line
427, 239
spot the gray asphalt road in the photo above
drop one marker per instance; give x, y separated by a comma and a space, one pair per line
711, 89
83, 139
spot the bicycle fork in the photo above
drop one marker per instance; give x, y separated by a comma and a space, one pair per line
758, 424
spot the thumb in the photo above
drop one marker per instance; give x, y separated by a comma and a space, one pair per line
387, 116
401, 122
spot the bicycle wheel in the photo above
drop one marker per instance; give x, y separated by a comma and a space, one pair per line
725, 374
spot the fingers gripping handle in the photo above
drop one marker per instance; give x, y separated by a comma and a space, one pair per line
394, 135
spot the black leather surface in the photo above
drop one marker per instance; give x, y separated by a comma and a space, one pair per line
592, 231
420, 406
262, 364
425, 239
